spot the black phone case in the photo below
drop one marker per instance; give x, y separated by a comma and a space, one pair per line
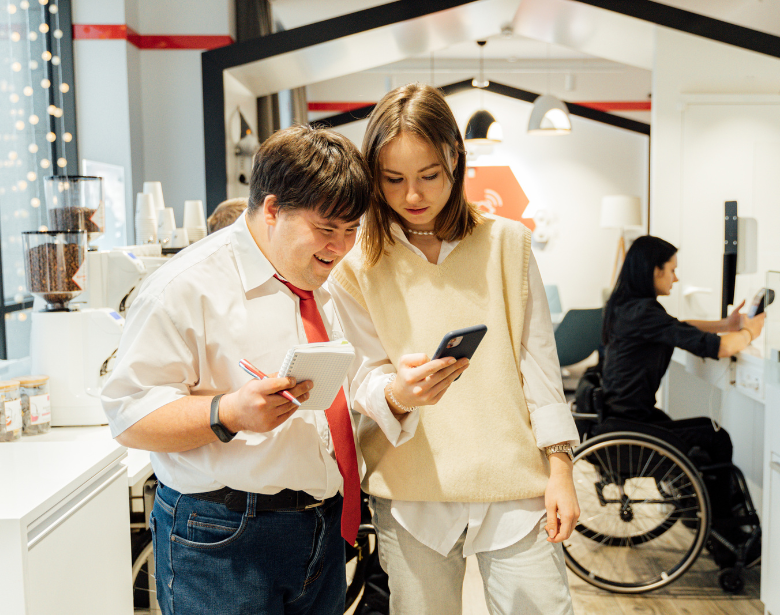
472, 336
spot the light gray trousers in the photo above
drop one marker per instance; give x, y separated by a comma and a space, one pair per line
528, 577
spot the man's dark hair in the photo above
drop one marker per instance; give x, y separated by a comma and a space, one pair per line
314, 169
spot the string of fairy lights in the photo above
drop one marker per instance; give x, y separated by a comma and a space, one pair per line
33, 127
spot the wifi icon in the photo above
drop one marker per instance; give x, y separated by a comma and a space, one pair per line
491, 202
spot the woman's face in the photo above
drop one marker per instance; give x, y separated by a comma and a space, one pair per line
665, 276
413, 181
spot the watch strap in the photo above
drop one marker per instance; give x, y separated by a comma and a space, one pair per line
223, 433
559, 448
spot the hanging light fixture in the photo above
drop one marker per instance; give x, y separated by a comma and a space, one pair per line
550, 115
482, 128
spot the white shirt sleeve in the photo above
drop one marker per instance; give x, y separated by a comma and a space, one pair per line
371, 369
551, 418
145, 379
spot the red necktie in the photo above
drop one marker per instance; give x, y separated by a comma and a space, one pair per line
338, 421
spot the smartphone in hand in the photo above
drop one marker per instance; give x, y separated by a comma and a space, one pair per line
461, 343
763, 298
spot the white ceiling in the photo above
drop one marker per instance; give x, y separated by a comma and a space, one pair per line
762, 15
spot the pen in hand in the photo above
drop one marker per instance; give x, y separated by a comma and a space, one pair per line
256, 373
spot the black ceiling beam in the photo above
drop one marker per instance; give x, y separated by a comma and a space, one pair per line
693, 23
361, 113
215, 61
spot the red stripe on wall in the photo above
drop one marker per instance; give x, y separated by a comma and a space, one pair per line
339, 107
149, 41
619, 105
99, 31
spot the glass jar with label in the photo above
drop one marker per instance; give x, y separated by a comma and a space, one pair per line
10, 411
36, 406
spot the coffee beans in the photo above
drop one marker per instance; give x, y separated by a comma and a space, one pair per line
52, 267
73, 218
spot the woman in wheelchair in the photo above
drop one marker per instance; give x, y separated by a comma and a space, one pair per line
639, 337
688, 462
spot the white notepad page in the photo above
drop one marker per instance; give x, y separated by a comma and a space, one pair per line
325, 364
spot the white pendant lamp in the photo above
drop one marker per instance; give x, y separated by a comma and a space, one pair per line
550, 116
482, 128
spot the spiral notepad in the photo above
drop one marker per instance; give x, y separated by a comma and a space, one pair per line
325, 364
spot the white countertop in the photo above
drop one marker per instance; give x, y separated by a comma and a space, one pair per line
746, 373
38, 475
139, 467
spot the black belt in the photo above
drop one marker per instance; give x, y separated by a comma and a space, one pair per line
237, 500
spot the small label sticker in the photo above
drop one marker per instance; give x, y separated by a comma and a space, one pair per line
40, 409
80, 277
13, 415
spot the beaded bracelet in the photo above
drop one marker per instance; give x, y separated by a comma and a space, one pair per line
389, 390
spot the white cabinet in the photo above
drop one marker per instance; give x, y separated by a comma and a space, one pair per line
64, 536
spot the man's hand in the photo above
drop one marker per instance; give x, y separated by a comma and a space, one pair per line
421, 382
258, 407
560, 499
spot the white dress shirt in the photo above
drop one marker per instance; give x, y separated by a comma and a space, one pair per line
489, 525
213, 304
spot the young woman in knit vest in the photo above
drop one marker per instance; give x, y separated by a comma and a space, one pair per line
485, 468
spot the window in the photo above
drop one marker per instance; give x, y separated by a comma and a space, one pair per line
37, 139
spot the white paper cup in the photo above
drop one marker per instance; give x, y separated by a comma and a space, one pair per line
196, 233
144, 207
155, 189
167, 221
145, 231
194, 215
180, 238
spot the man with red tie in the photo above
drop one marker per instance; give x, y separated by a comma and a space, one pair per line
248, 514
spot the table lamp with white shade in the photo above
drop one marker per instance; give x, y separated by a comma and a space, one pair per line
620, 211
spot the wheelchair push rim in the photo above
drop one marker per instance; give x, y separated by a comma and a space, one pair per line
645, 513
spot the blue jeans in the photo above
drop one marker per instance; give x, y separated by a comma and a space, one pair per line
209, 559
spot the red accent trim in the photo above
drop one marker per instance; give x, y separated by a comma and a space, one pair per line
619, 105
149, 41
101, 31
183, 41
339, 107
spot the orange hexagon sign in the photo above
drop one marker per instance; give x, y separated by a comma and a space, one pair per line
497, 191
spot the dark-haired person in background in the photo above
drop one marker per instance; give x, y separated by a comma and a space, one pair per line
640, 337
248, 514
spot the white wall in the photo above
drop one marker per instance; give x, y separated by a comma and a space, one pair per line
687, 65
143, 108
568, 176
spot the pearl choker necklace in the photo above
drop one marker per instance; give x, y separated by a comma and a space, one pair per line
408, 230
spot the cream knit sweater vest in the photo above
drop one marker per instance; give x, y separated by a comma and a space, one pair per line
476, 444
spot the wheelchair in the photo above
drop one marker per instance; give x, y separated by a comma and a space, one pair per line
645, 509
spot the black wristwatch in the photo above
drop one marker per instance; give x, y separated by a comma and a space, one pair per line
223, 433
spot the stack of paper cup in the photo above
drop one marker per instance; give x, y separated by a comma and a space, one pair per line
194, 220
180, 238
166, 226
145, 219
154, 189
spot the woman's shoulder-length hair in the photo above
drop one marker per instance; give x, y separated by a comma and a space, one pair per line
419, 110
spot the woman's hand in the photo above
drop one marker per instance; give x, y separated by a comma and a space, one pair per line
421, 382
735, 320
560, 499
754, 325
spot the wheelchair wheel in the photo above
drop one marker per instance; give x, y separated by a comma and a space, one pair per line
644, 517
144, 589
